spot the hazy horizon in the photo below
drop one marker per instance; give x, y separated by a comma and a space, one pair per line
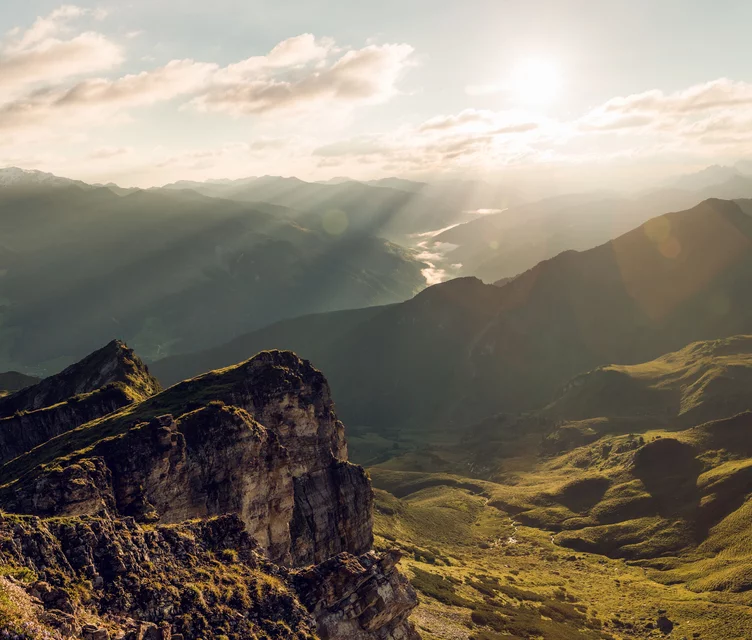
549, 94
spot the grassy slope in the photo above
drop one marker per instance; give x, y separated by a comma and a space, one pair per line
483, 576
656, 511
703, 381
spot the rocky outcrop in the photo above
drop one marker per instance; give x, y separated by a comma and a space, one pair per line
104, 382
363, 598
254, 458
201, 579
285, 394
113, 363
287, 478
333, 499
24, 430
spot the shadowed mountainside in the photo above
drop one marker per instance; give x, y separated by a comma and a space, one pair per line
389, 208
15, 380
169, 270
505, 244
462, 350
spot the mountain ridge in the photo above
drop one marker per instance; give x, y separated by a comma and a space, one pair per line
515, 344
87, 264
127, 524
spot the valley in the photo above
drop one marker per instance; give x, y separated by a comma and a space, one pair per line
417, 320
618, 501
561, 454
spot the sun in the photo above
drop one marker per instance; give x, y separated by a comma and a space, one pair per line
535, 82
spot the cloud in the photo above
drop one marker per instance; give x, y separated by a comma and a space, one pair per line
40, 94
291, 53
470, 138
285, 79
453, 121
106, 153
45, 27
718, 94
720, 103
37, 55
57, 82
95, 100
362, 146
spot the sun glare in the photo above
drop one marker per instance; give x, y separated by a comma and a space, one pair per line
536, 82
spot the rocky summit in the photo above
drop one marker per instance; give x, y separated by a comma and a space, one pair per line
224, 506
108, 379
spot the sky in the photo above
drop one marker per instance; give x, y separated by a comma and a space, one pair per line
579, 92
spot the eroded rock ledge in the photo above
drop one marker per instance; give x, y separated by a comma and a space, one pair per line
200, 579
222, 506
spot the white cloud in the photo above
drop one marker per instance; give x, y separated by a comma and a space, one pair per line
720, 100
96, 100
50, 89
56, 59
469, 138
703, 123
107, 153
285, 80
291, 53
37, 70
44, 27
37, 55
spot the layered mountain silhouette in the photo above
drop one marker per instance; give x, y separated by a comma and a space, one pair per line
169, 270
15, 380
464, 350
505, 244
392, 208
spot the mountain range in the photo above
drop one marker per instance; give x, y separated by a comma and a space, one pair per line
505, 244
463, 350
564, 453
81, 264
390, 208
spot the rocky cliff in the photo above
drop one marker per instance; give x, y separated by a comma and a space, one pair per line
105, 381
257, 445
25, 430
113, 363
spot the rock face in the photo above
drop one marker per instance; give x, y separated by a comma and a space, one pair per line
101, 383
164, 576
23, 431
287, 477
359, 598
259, 441
113, 363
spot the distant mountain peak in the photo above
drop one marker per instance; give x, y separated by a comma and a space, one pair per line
708, 177
17, 177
